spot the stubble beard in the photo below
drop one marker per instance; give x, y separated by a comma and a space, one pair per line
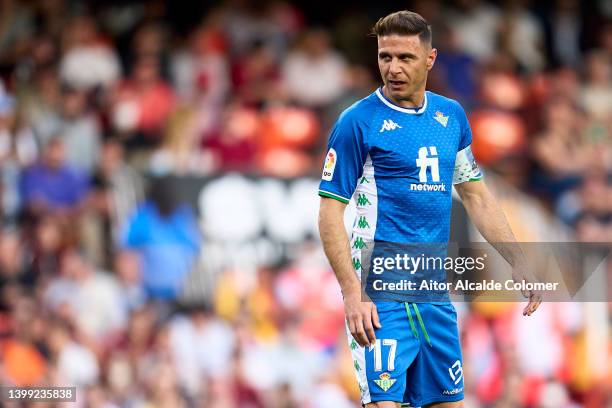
408, 94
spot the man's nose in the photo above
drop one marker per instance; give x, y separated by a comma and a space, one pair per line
394, 67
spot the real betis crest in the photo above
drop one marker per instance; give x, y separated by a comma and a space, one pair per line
443, 120
385, 382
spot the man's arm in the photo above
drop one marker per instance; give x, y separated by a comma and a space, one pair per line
361, 316
489, 219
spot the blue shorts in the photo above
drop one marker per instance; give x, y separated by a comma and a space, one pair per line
416, 358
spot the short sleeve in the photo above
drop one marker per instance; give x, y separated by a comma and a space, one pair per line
466, 168
466, 131
346, 155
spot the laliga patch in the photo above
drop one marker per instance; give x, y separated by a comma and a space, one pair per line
476, 174
385, 382
330, 165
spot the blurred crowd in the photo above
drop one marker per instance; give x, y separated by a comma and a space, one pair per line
100, 101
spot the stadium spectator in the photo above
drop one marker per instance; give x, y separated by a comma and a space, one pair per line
165, 235
18, 148
233, 141
75, 363
180, 151
88, 60
142, 104
23, 363
596, 95
49, 236
16, 270
126, 265
51, 185
256, 77
80, 130
17, 28
273, 24
565, 26
476, 24
200, 71
90, 298
560, 152
116, 191
150, 40
17, 142
314, 74
455, 69
122, 187
40, 100
202, 345
522, 35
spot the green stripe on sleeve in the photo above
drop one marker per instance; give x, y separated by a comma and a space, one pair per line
334, 196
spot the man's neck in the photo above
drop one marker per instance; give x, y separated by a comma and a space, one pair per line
415, 100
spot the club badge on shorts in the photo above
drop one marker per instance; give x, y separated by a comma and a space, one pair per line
385, 382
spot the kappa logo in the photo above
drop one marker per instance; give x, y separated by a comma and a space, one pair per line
330, 164
388, 124
441, 119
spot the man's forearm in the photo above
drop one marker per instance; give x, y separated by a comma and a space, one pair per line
491, 222
488, 217
336, 247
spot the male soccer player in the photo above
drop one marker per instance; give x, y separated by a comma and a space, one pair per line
398, 152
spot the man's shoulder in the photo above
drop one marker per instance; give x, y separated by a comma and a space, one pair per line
359, 112
442, 101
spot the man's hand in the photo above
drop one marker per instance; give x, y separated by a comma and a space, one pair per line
534, 296
489, 219
362, 318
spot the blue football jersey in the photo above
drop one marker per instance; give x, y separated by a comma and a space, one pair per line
399, 165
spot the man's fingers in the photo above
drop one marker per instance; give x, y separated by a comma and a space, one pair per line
369, 330
375, 318
534, 302
362, 321
359, 334
351, 325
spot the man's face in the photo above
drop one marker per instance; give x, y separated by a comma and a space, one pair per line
404, 62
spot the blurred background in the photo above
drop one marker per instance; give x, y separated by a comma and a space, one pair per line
159, 165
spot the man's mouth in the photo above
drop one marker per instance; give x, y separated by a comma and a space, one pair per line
394, 82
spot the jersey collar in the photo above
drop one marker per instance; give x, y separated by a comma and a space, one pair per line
412, 111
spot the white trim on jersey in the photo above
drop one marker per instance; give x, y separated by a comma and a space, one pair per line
399, 108
364, 227
359, 361
466, 168
368, 189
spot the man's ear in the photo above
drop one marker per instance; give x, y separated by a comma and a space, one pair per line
431, 58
